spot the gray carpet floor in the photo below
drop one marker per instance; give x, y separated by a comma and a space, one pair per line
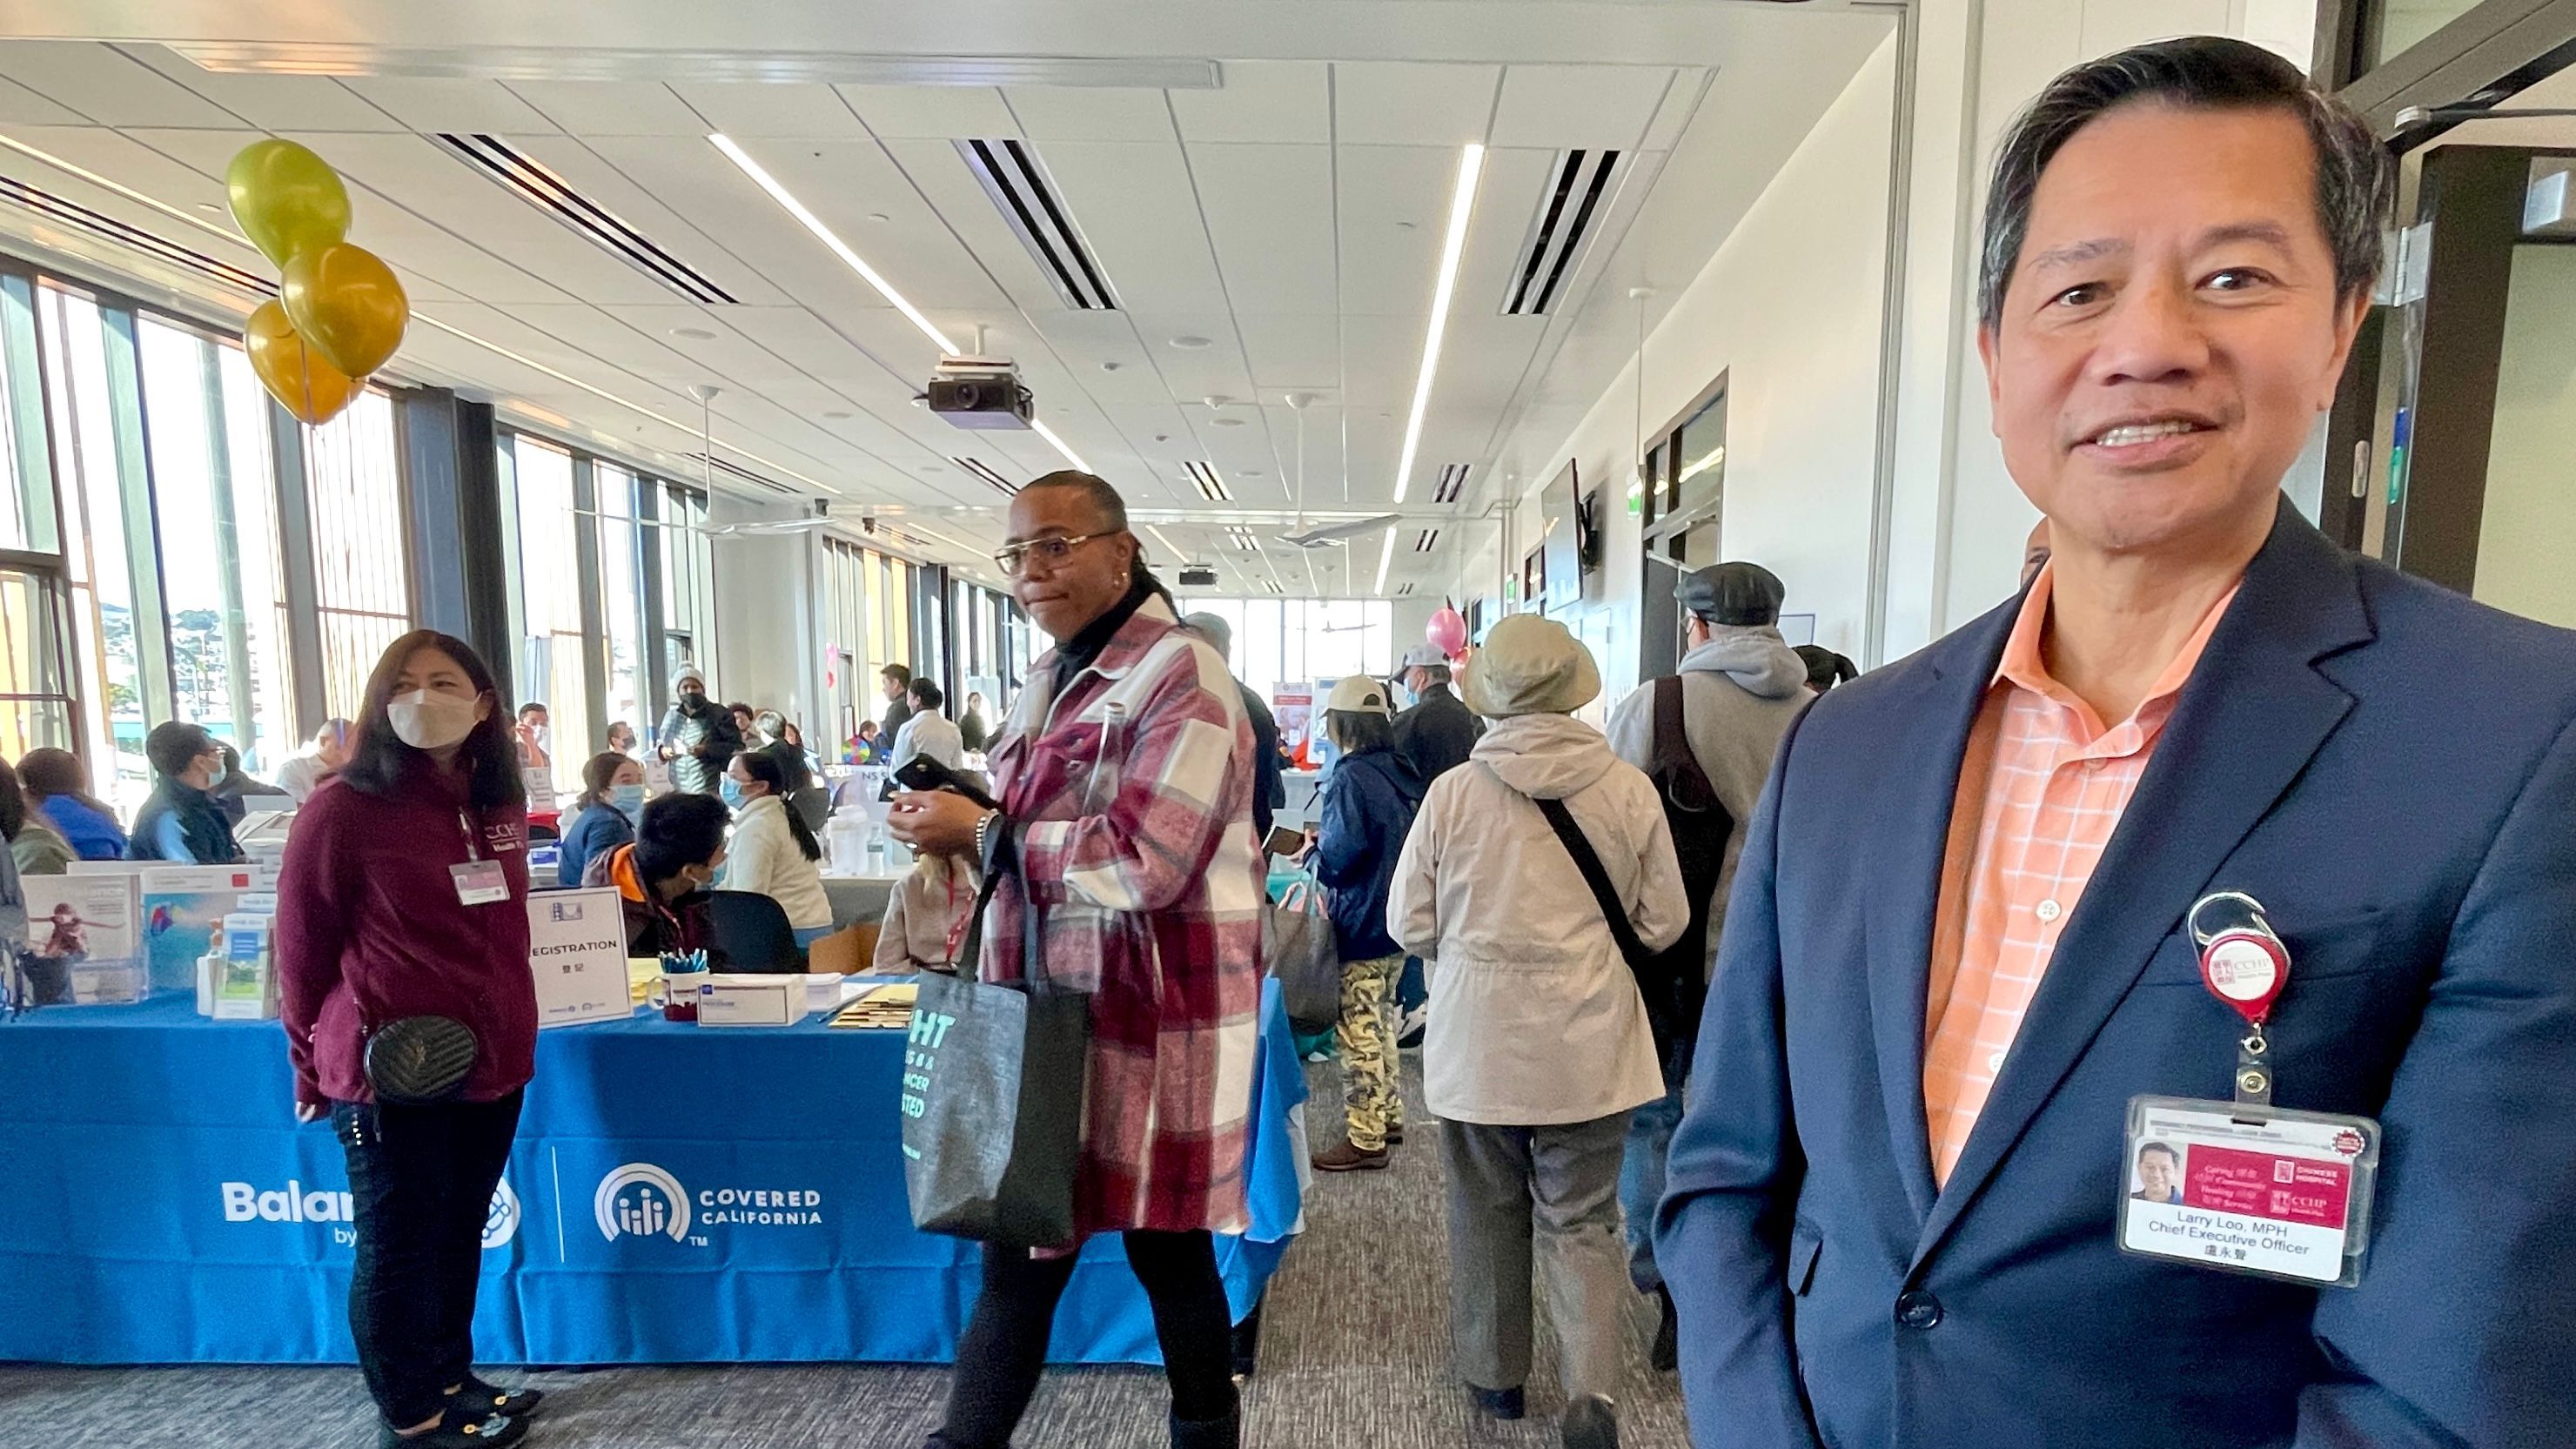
1354, 1355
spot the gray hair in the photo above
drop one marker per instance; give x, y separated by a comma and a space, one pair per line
1214, 629
1434, 673
2355, 179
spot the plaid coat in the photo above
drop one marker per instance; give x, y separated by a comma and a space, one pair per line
1132, 795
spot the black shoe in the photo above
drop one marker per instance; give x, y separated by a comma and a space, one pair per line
1225, 1433
1497, 1403
458, 1429
1395, 1137
1591, 1423
1666, 1355
494, 1399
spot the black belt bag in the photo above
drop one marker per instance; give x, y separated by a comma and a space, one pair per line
419, 1059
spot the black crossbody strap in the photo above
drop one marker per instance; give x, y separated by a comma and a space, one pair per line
1588, 861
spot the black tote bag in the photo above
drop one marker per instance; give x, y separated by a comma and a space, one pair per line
993, 1083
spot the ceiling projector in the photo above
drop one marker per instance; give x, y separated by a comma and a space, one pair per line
1198, 576
979, 392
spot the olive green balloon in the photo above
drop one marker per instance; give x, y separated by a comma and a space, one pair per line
286, 199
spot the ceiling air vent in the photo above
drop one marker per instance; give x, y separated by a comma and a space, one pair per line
107, 228
1569, 213
1274, 586
1429, 540
1453, 477
1204, 478
1017, 181
741, 474
541, 188
986, 471
1403, 590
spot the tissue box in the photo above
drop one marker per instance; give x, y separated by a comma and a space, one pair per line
746, 999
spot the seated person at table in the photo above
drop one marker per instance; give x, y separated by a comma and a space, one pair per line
925, 917
786, 748
306, 769
868, 744
183, 822
612, 794
774, 850
238, 783
58, 787
663, 877
35, 846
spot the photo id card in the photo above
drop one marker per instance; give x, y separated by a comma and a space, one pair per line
2249, 1189
480, 882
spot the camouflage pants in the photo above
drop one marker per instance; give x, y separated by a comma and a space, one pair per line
1365, 1036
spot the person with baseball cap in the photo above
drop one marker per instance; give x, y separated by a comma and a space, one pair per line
1437, 730
1369, 803
1738, 689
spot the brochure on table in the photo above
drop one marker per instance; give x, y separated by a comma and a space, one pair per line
183, 907
577, 951
85, 933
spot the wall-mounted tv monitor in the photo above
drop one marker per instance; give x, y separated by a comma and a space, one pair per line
1561, 521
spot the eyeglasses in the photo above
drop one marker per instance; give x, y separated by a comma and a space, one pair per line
1049, 551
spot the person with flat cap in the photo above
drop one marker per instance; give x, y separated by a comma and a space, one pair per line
1739, 688
1437, 730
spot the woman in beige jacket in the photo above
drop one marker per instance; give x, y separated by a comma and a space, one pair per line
926, 914
1538, 1047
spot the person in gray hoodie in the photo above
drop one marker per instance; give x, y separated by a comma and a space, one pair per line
1741, 686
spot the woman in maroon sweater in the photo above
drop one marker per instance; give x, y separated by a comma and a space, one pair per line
404, 894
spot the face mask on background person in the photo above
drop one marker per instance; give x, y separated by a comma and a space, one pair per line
626, 799
428, 721
215, 776
731, 790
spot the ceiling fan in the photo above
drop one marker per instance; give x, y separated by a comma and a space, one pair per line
1322, 535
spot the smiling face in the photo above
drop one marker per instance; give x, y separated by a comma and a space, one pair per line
1065, 594
2156, 1173
2170, 331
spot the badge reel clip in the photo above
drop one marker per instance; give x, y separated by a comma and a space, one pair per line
2245, 965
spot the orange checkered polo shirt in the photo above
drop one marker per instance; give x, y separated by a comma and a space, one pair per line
2041, 788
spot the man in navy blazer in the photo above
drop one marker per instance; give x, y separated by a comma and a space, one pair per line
2181, 244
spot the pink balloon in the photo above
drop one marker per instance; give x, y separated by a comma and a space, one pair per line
1447, 632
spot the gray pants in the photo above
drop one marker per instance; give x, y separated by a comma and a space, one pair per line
1555, 1188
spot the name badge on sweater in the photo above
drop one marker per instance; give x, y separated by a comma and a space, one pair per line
480, 882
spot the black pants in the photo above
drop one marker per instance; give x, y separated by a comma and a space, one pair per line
1004, 1350
421, 1181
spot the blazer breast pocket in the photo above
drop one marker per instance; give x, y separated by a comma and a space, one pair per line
2322, 948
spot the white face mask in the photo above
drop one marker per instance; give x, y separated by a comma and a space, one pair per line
429, 721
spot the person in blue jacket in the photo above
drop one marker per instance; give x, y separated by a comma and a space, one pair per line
58, 788
1369, 804
612, 795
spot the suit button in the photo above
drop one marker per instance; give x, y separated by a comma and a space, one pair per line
1918, 1310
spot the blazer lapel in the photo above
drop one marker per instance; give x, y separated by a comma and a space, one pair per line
1904, 876
2246, 725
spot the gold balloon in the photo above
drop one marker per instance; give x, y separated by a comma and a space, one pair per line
347, 305
286, 199
293, 373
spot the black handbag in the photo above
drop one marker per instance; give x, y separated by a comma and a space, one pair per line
419, 1059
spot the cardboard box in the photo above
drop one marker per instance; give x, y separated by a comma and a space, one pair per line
744, 999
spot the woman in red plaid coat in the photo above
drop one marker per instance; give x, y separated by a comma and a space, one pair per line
1125, 844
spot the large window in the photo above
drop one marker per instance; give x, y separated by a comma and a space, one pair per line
361, 566
621, 592
1280, 642
550, 668
97, 454
224, 583
688, 581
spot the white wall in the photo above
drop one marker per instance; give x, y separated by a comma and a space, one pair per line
2528, 533
1788, 309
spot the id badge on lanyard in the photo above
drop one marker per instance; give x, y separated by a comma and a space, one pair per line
2244, 1186
479, 882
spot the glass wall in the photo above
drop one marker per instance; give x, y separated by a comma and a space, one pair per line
361, 561
551, 669
621, 592
1288, 641
688, 581
97, 441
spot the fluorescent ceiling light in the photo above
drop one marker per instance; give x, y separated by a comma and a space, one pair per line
1471, 164
840, 248
1057, 443
1178, 555
1385, 556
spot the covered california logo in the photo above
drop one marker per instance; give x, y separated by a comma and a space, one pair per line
643, 1200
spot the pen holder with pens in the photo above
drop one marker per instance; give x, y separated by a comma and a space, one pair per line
677, 993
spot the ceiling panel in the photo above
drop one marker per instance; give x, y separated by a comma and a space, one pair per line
20, 106
807, 341
1301, 352
272, 102
1680, 103
1085, 340
932, 112
1404, 103
611, 108
939, 174
440, 103
593, 176
744, 109
1269, 213
1578, 105
1394, 202
849, 184
1217, 369
106, 86
1087, 113
1275, 101
1140, 214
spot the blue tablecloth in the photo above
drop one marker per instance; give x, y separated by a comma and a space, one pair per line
159, 1205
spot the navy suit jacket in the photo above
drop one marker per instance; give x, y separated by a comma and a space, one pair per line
2388, 768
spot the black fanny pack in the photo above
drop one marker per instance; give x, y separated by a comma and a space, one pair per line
419, 1059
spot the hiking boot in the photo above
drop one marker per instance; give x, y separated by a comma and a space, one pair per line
1343, 1156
